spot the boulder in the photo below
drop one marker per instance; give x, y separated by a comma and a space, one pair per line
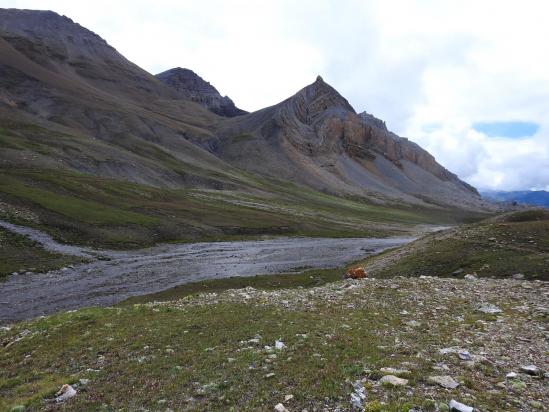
459, 407
393, 380
445, 381
65, 393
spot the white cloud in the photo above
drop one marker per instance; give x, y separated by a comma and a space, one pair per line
414, 64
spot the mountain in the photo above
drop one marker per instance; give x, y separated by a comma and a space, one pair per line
100, 150
316, 138
523, 197
191, 86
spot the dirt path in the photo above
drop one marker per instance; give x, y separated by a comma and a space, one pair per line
131, 273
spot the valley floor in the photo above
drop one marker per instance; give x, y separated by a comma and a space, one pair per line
447, 335
218, 351
108, 277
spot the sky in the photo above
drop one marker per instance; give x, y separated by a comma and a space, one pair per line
467, 80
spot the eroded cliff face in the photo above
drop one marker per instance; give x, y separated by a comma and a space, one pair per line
191, 86
318, 121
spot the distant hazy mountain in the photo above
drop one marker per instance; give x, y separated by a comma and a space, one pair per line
525, 197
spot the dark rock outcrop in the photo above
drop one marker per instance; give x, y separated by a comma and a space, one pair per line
191, 86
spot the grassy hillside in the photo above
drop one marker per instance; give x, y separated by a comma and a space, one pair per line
499, 247
85, 209
210, 351
216, 351
19, 254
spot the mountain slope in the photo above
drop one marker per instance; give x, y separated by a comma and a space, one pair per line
191, 86
316, 137
105, 153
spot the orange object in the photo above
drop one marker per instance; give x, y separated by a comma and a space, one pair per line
356, 273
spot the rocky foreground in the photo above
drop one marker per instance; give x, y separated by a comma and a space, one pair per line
421, 344
488, 339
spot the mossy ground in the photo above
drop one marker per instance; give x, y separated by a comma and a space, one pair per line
84, 209
197, 354
500, 247
19, 254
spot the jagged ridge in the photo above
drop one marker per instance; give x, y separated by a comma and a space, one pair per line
191, 86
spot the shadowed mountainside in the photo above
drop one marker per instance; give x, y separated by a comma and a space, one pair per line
103, 152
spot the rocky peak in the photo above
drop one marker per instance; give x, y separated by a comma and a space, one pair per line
191, 86
57, 34
60, 45
371, 120
315, 102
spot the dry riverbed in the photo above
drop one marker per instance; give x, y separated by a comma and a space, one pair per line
112, 276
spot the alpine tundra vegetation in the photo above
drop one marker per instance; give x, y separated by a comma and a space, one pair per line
162, 249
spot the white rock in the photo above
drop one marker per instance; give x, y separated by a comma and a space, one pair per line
393, 371
288, 398
464, 355
356, 401
530, 369
459, 407
279, 345
445, 381
65, 393
358, 395
393, 380
445, 351
280, 408
488, 308
511, 375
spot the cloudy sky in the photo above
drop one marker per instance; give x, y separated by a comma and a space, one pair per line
468, 80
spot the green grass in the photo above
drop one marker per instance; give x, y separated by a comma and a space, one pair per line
125, 382
306, 279
19, 254
73, 207
178, 357
501, 247
84, 209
